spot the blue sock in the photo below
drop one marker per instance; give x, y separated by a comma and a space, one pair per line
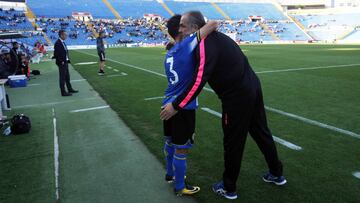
169, 150
180, 171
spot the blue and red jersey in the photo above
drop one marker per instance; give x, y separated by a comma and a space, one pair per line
180, 64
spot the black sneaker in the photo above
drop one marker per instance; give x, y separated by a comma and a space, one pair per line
73, 91
101, 72
66, 94
169, 179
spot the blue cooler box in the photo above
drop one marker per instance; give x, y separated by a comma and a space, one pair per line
17, 81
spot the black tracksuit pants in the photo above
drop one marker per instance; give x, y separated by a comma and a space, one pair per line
247, 115
64, 77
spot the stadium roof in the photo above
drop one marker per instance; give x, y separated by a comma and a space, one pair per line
11, 35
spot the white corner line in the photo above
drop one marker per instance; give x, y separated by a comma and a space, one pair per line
276, 139
89, 109
35, 84
115, 75
52, 103
308, 68
85, 63
357, 174
312, 122
154, 98
286, 143
56, 158
79, 80
126, 64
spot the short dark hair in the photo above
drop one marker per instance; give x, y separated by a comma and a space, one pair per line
173, 25
196, 18
61, 32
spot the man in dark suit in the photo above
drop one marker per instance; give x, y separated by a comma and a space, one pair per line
61, 55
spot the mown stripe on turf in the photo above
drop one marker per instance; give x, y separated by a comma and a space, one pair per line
276, 139
309, 121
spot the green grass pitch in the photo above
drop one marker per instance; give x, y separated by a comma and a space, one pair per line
329, 93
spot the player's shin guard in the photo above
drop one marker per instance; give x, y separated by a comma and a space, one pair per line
180, 171
169, 150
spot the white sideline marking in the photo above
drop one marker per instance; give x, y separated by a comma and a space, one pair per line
215, 113
85, 63
116, 75
309, 68
35, 84
276, 139
136, 67
286, 143
51, 103
126, 64
109, 67
89, 109
312, 122
79, 80
124, 74
268, 108
357, 174
116, 70
344, 49
56, 158
154, 98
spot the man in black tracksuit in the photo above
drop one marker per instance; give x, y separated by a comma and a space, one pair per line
223, 65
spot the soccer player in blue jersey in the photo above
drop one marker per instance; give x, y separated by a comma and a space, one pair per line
224, 66
179, 130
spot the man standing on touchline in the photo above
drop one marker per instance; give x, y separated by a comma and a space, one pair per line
61, 54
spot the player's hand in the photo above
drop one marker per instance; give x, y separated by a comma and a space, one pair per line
167, 112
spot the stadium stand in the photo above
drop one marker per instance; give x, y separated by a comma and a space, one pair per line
126, 30
32, 37
354, 36
63, 8
329, 26
244, 10
14, 20
123, 21
137, 8
206, 8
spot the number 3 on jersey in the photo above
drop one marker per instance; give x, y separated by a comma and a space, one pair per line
171, 69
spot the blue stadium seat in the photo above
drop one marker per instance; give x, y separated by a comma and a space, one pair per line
206, 8
137, 9
62, 8
243, 10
